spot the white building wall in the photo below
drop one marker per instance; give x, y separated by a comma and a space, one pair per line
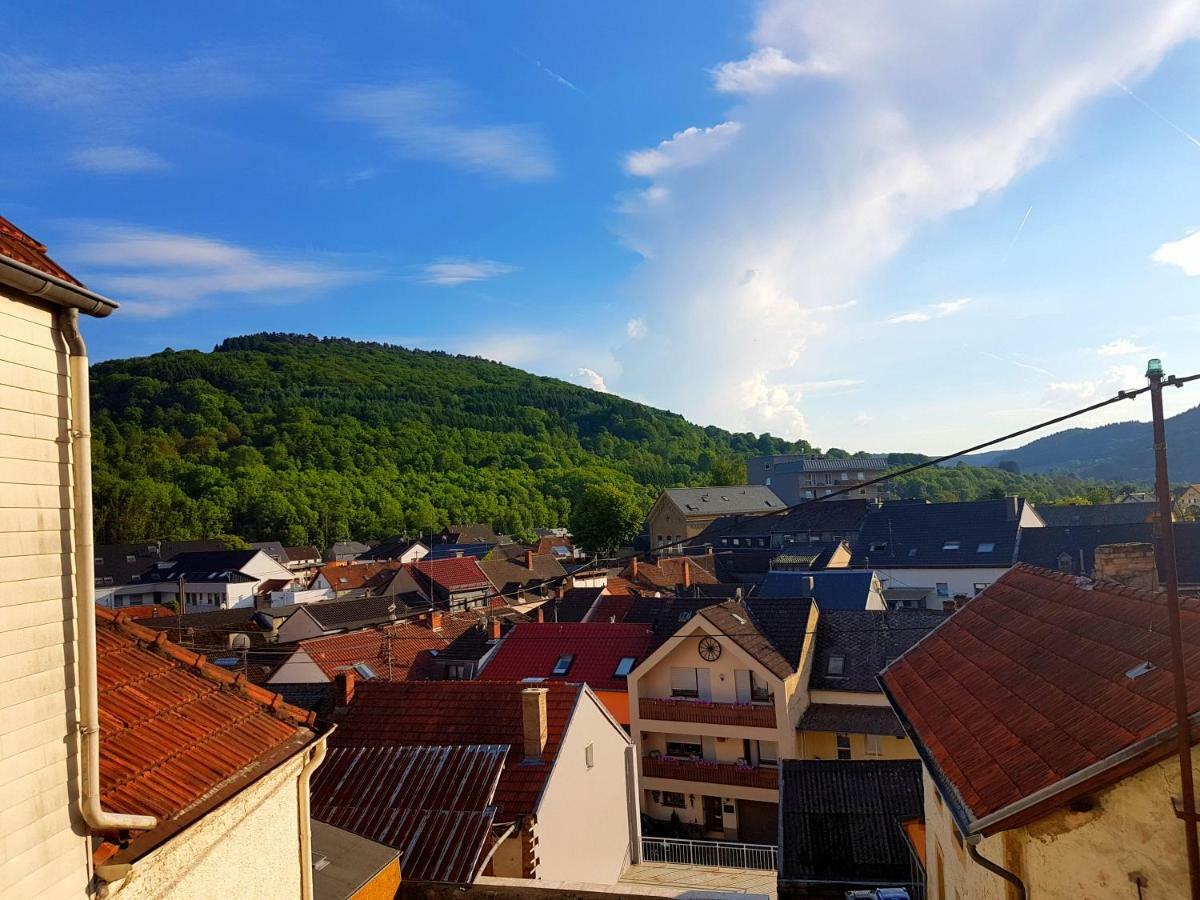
299, 669
43, 846
958, 580
585, 827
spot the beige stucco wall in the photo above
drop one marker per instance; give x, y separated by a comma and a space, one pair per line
585, 826
247, 847
823, 745
1076, 856
43, 847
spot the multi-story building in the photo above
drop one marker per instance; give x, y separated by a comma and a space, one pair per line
209, 580
682, 513
722, 700
796, 477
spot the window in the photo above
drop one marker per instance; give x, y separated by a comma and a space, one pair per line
950, 545
943, 589
674, 799
768, 481
843, 747
130, 558
625, 666
685, 747
362, 670
836, 665
589, 756
760, 691
1064, 563
980, 587
874, 745
862, 476
987, 547
845, 476
684, 682
768, 754
563, 665
684, 616
456, 672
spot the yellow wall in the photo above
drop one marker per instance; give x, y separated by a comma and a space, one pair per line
382, 886
823, 745
1076, 855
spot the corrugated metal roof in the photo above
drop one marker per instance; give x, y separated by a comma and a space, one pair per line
433, 804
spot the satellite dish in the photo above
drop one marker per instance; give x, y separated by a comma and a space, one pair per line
239, 642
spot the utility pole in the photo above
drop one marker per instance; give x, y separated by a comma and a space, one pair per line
1183, 737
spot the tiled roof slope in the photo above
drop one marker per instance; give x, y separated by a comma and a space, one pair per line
505, 568
840, 820
1027, 685
772, 631
664, 615
454, 574
1043, 546
572, 605
457, 713
866, 639
727, 500
851, 719
909, 534
832, 588
175, 731
394, 652
835, 516
434, 804
533, 648
16, 244
668, 572
1093, 514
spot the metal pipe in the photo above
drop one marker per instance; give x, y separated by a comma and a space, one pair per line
1183, 736
306, 861
996, 869
85, 588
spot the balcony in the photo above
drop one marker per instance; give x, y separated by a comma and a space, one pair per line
704, 712
711, 772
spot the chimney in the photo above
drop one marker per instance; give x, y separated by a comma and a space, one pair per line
687, 573
493, 629
1012, 504
540, 615
1133, 565
533, 722
345, 687
806, 585
633, 568
949, 606
435, 619
529, 560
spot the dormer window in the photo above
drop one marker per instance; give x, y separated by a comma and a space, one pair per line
951, 545
563, 665
987, 547
836, 665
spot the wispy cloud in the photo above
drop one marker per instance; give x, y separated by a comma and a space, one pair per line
1114, 378
1186, 135
556, 77
159, 273
1184, 253
934, 311
635, 329
423, 119
761, 71
685, 149
1120, 347
590, 378
451, 272
118, 160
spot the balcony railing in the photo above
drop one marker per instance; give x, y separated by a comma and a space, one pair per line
765, 777
709, 854
704, 712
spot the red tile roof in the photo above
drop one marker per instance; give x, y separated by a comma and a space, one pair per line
458, 573
611, 608
668, 572
434, 804
399, 652
1027, 684
16, 244
352, 576
457, 713
176, 733
531, 649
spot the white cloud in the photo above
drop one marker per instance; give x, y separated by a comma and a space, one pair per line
1184, 253
635, 328
761, 71
422, 120
117, 160
1120, 347
830, 384
158, 273
934, 311
451, 272
926, 108
685, 149
1114, 379
590, 378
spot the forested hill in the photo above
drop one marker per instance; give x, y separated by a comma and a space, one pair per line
275, 436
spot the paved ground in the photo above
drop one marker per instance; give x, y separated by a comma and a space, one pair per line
696, 882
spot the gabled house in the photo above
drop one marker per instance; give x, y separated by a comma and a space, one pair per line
453, 584
395, 549
566, 792
682, 513
475, 533
521, 574
121, 564
668, 575
302, 558
313, 620
1043, 712
214, 579
795, 530
936, 553
1187, 504
358, 580
831, 588
599, 654
345, 551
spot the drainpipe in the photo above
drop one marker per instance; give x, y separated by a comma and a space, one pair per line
995, 868
306, 863
85, 589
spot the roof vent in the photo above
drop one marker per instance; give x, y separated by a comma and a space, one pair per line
1141, 669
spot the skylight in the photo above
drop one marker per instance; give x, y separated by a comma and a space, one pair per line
364, 671
684, 616
836, 666
563, 665
950, 545
987, 547
1141, 669
625, 666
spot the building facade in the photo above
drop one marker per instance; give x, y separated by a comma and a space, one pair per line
680, 514
796, 477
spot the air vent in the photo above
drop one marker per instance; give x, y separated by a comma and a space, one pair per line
1141, 669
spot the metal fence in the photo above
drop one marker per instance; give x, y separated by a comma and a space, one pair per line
711, 854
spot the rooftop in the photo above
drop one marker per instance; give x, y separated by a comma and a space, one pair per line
771, 631
596, 652
391, 653
16, 244
507, 568
453, 574
913, 534
831, 588
725, 501
854, 646
1098, 513
343, 862
850, 719
1036, 679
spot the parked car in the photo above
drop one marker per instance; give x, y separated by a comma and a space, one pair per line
879, 894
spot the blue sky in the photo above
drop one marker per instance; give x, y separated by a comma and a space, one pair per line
881, 226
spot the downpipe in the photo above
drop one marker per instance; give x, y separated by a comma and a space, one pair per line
306, 861
995, 868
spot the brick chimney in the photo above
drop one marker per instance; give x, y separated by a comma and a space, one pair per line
1133, 565
529, 560
345, 687
540, 615
949, 606
633, 569
533, 722
493, 629
435, 619
687, 573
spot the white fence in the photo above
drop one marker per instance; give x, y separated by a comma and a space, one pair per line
711, 854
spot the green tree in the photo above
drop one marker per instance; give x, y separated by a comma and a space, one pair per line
729, 470
605, 518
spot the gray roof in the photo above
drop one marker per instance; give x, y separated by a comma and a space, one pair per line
866, 640
1098, 513
724, 501
850, 719
350, 861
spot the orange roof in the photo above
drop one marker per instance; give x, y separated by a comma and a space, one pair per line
350, 577
455, 573
399, 652
148, 611
16, 244
177, 734
668, 573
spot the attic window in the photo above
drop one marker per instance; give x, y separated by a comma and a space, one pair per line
692, 507
912, 551
684, 616
342, 579
563, 665
625, 666
836, 665
1140, 669
987, 547
876, 546
364, 671
950, 545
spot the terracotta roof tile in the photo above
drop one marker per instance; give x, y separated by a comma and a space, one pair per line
454, 574
532, 649
1027, 685
16, 244
668, 572
397, 652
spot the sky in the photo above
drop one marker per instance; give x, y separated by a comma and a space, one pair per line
875, 225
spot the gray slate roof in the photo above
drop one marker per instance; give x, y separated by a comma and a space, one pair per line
718, 501
850, 719
1098, 513
771, 631
832, 588
912, 534
866, 640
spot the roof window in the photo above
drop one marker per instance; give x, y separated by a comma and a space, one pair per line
362, 670
951, 545
1141, 669
685, 615
625, 666
836, 665
876, 546
987, 547
563, 665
